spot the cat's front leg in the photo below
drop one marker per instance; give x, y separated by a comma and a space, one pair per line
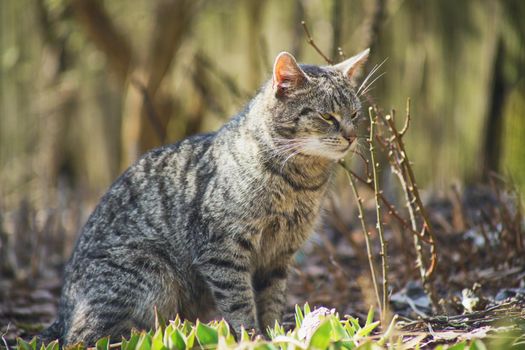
270, 290
229, 278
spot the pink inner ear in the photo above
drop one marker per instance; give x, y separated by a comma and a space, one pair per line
355, 68
287, 73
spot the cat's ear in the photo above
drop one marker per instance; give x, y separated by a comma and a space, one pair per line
352, 66
287, 74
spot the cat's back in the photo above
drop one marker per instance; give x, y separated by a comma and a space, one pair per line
147, 201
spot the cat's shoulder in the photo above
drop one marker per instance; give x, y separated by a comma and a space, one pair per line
184, 147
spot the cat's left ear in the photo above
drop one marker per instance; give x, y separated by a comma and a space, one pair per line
352, 66
287, 74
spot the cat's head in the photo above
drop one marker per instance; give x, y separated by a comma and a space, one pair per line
315, 108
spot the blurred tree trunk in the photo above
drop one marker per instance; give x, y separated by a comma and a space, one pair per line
298, 32
255, 54
337, 25
141, 75
54, 157
100, 29
492, 135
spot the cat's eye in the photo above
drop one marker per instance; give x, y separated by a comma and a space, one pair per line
328, 117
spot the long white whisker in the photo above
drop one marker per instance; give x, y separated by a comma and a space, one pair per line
365, 90
290, 156
372, 72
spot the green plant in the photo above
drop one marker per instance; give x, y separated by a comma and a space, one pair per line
329, 331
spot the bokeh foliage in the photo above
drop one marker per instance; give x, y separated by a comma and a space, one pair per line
66, 107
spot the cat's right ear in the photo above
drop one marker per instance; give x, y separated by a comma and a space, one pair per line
352, 66
287, 74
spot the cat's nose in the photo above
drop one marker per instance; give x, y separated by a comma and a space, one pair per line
348, 134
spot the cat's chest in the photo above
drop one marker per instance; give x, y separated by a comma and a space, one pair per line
286, 224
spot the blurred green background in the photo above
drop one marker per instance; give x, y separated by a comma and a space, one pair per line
72, 114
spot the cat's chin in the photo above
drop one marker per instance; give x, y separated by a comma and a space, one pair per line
329, 154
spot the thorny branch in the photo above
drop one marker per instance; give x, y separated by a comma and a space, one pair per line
365, 233
379, 219
394, 146
406, 168
392, 211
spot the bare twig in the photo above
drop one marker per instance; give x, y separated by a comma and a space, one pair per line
310, 41
379, 219
412, 187
366, 234
407, 119
392, 211
4, 334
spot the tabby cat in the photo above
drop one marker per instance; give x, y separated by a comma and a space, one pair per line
207, 227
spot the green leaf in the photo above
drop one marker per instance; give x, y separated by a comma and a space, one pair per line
144, 342
349, 327
345, 344
176, 340
366, 346
190, 339
265, 346
23, 345
306, 309
53, 345
477, 345
458, 346
160, 322
167, 333
223, 329
366, 330
33, 342
77, 346
186, 327
321, 337
102, 344
157, 342
176, 323
338, 332
244, 335
298, 316
131, 343
388, 333
206, 335
370, 316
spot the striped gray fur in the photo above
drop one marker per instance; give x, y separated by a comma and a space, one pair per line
207, 227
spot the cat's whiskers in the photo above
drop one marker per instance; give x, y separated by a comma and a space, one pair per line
286, 147
368, 87
288, 158
370, 74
